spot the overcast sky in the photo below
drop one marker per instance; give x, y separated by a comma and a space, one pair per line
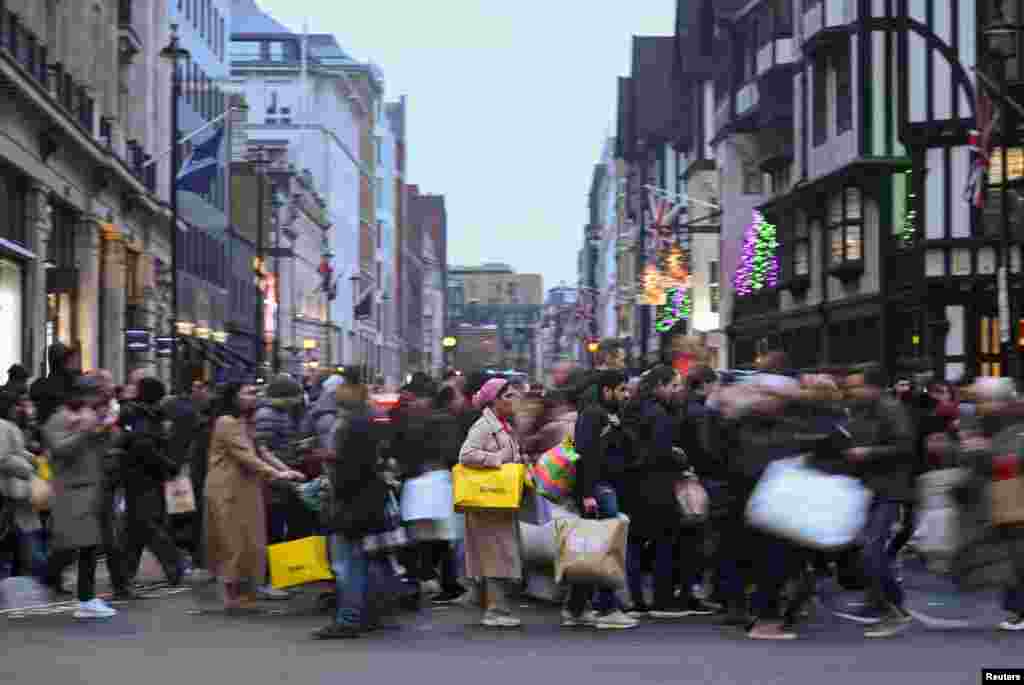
509, 103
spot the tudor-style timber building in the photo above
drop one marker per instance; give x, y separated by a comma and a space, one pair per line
846, 123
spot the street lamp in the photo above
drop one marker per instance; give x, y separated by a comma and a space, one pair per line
449, 343
258, 159
1002, 36
174, 54
276, 203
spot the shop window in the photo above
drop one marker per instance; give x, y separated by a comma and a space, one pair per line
12, 209
820, 100
844, 89
714, 291
133, 277
845, 228
989, 347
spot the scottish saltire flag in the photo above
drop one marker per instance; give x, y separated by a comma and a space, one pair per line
200, 169
980, 142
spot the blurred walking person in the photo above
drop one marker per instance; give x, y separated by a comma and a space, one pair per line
78, 442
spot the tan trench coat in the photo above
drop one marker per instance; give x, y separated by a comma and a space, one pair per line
492, 537
236, 522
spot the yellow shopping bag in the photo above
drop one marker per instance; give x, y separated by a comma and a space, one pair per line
299, 562
43, 468
489, 488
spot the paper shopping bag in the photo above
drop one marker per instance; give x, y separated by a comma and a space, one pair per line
592, 552
179, 496
488, 488
299, 562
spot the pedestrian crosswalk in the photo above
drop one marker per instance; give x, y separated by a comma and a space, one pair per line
159, 591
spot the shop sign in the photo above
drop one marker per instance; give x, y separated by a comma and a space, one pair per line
136, 340
165, 347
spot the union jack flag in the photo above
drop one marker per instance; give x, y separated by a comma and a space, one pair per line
662, 214
980, 142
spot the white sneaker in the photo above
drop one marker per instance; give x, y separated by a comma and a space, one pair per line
616, 620
1014, 623
268, 592
95, 608
587, 619
494, 619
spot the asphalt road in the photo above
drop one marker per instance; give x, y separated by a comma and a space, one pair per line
164, 641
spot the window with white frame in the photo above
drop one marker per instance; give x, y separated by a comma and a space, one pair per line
845, 228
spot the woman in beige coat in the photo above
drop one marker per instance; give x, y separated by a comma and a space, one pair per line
236, 521
492, 537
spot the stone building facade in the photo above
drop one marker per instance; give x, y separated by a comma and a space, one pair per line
84, 224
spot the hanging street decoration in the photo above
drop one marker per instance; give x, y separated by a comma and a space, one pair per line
328, 283
653, 289
759, 261
675, 310
663, 214
675, 266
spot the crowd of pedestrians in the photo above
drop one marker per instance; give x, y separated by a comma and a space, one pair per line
256, 456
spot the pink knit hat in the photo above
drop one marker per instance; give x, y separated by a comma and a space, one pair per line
489, 392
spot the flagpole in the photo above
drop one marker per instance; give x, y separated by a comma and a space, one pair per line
193, 134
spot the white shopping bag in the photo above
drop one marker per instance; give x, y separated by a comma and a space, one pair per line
428, 497
807, 506
938, 524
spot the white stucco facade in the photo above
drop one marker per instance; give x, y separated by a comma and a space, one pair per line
313, 110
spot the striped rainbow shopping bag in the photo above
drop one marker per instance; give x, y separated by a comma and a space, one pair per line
554, 474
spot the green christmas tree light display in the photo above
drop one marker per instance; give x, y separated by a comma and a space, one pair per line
759, 262
675, 310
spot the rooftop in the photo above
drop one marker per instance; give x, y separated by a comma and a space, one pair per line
247, 17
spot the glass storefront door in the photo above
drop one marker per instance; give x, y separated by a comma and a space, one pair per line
11, 313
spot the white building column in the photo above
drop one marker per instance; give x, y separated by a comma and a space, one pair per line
38, 229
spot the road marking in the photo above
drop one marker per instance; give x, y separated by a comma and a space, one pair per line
57, 608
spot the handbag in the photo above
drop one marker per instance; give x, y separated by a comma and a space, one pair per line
554, 474
428, 497
394, 537
692, 499
41, 494
592, 551
1006, 491
299, 562
807, 506
179, 495
476, 488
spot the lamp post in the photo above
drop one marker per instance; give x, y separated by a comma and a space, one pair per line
1003, 38
174, 53
259, 161
276, 203
449, 342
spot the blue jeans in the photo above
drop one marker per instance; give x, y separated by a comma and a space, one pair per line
604, 599
351, 566
25, 552
877, 561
